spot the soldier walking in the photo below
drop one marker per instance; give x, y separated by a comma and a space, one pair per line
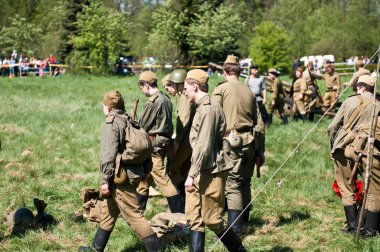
118, 197
277, 97
313, 97
206, 180
245, 137
332, 88
156, 120
299, 91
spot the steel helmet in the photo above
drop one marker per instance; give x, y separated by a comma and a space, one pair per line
178, 76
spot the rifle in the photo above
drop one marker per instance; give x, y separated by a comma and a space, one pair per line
371, 142
134, 109
355, 169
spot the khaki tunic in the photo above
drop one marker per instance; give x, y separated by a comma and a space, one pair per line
332, 89
311, 99
209, 168
123, 198
156, 119
299, 88
277, 96
240, 108
339, 135
179, 164
354, 79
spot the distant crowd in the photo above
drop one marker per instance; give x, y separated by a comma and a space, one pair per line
22, 66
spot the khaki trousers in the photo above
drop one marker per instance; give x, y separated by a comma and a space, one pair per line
279, 105
238, 185
159, 176
123, 200
178, 166
342, 169
299, 106
205, 205
329, 98
373, 198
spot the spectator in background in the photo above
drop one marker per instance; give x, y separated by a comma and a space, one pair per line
51, 60
297, 63
5, 67
42, 67
12, 61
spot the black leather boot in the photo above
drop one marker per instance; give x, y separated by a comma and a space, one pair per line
284, 119
231, 241
143, 200
100, 241
233, 217
303, 118
351, 217
197, 241
270, 119
311, 116
371, 225
152, 243
176, 204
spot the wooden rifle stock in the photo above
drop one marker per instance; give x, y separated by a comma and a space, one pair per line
355, 169
134, 110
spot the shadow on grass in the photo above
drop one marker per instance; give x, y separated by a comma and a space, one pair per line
280, 249
139, 246
294, 216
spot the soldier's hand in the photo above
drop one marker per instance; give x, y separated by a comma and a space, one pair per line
104, 190
189, 184
272, 102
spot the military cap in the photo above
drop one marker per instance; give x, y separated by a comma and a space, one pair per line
199, 75
148, 76
165, 80
231, 59
273, 71
367, 79
178, 76
113, 99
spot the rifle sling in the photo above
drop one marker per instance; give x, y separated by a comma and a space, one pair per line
356, 112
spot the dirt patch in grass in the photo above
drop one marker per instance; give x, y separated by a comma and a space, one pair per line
12, 128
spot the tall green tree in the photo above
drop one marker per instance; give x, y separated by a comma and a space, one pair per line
21, 35
102, 38
270, 47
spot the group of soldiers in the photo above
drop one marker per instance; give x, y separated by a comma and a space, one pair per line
218, 141
306, 95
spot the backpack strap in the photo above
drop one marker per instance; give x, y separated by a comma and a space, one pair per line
356, 112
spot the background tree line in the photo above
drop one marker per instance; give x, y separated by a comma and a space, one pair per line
272, 32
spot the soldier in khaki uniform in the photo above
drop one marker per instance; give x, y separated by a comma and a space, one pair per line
360, 70
277, 97
313, 97
156, 120
243, 120
332, 88
180, 159
355, 112
209, 168
119, 198
299, 91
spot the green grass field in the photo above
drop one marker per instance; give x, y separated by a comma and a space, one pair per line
58, 120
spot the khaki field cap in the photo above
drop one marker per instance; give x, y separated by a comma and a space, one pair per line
231, 59
367, 79
113, 99
199, 75
273, 71
148, 76
299, 69
165, 80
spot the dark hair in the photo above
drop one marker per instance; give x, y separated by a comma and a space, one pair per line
232, 69
254, 67
367, 87
202, 86
151, 84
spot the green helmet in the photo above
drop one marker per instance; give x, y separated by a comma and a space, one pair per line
178, 76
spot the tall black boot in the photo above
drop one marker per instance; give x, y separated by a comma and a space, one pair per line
371, 225
100, 241
245, 220
270, 119
197, 241
284, 119
143, 200
233, 217
231, 241
311, 116
303, 118
176, 204
152, 243
351, 217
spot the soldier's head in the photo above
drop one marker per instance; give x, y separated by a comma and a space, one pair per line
366, 83
231, 67
273, 73
176, 81
148, 82
330, 68
112, 100
168, 85
310, 65
298, 72
196, 84
359, 64
254, 70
